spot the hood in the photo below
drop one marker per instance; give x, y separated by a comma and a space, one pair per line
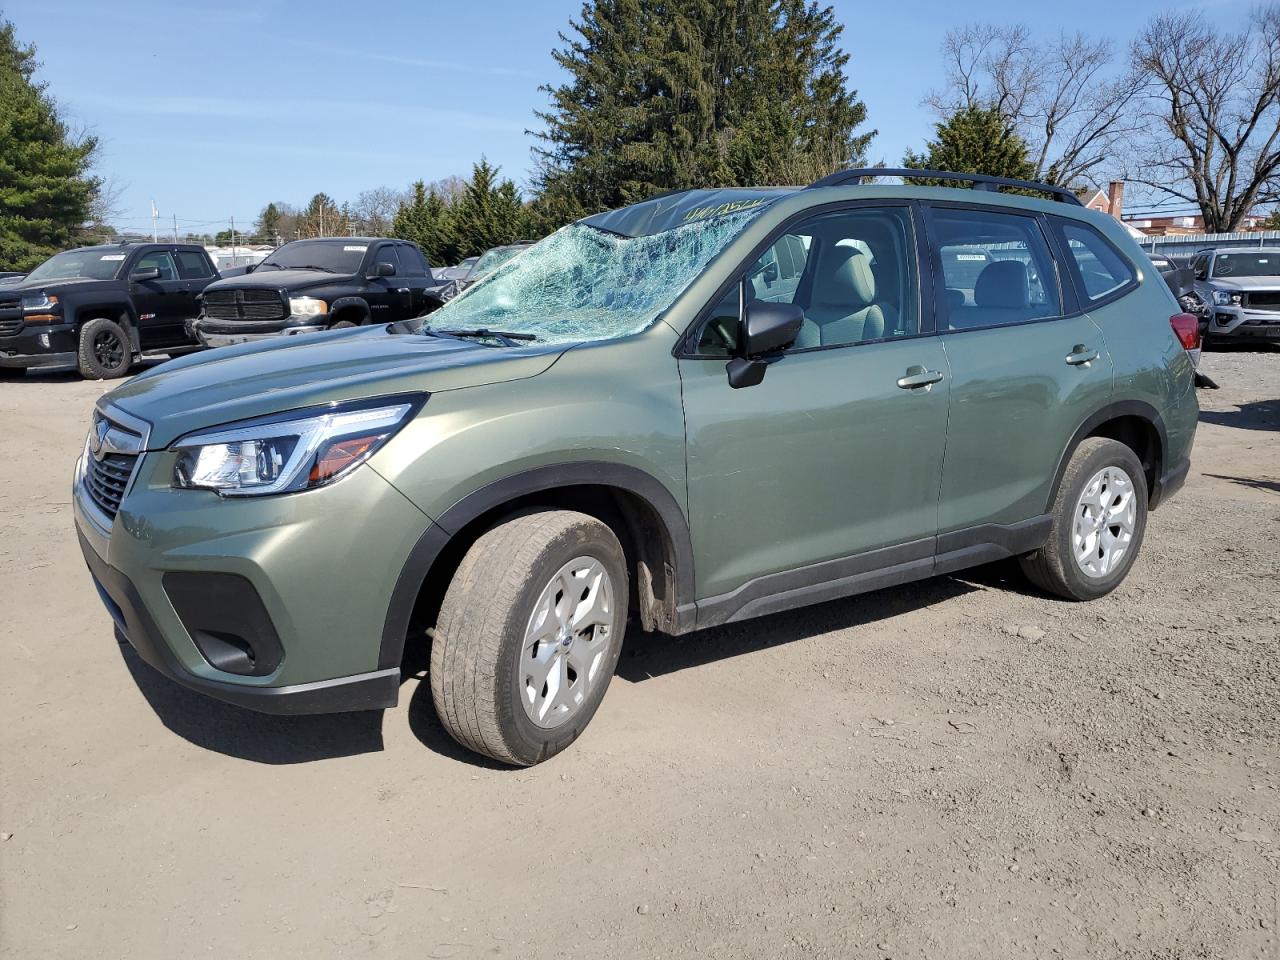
1246, 283
220, 386
272, 279
52, 286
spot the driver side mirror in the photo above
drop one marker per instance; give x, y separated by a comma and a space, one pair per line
145, 274
1180, 281
767, 329
382, 269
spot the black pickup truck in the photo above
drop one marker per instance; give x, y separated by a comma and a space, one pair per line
102, 308
319, 284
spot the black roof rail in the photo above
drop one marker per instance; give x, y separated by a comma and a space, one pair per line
979, 181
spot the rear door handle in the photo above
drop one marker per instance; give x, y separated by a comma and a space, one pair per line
917, 377
1081, 355
402, 290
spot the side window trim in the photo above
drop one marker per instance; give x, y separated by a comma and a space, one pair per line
1072, 266
686, 345
1066, 295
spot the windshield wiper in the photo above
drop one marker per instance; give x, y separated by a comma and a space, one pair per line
309, 266
506, 339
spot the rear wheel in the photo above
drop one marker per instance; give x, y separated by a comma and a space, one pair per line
1099, 518
105, 352
529, 635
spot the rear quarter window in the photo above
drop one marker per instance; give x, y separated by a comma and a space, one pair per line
1098, 267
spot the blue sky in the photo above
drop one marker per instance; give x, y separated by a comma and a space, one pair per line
215, 108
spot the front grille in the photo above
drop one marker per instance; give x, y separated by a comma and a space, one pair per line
106, 480
244, 305
10, 317
1264, 300
110, 456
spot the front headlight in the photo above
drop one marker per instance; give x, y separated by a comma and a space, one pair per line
39, 301
307, 307
294, 451
1223, 298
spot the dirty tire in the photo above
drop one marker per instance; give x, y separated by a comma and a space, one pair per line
104, 351
343, 325
480, 633
1053, 567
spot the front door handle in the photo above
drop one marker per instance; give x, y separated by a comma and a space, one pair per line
1081, 355
402, 290
917, 376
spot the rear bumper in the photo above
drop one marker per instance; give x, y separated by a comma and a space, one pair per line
134, 625
223, 333
1170, 482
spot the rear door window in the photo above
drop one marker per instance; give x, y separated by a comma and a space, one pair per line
1099, 268
415, 265
192, 266
996, 268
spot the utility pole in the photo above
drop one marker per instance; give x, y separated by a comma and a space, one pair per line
154, 214
233, 241
175, 228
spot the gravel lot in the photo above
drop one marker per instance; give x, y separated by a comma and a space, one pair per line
955, 769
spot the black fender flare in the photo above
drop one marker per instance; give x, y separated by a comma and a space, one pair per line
347, 303
120, 311
484, 499
1118, 408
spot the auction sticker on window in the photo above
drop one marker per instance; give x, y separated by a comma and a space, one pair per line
113, 256
354, 249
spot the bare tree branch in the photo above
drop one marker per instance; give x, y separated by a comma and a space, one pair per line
1213, 108
1058, 94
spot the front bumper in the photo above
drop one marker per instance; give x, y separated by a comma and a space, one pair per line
224, 333
375, 690
40, 345
1242, 322
322, 565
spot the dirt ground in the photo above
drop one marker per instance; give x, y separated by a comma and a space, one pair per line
955, 769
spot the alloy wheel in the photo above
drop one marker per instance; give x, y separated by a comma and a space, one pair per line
108, 349
566, 643
1105, 517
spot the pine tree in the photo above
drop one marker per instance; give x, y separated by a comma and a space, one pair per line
46, 190
703, 93
427, 220
321, 218
974, 140
269, 223
489, 212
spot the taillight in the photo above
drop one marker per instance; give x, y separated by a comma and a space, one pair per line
1186, 327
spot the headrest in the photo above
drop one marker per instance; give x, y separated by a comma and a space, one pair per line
850, 283
1002, 283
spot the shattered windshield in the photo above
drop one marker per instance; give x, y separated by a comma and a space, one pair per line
585, 283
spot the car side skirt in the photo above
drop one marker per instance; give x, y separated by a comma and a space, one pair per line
873, 570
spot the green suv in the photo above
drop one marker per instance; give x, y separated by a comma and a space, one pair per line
706, 407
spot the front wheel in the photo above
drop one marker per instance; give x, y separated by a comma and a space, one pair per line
1099, 518
105, 352
529, 635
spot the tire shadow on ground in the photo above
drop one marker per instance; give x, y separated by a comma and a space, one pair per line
649, 655
258, 737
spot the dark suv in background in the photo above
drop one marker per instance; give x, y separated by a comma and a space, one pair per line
320, 284
102, 308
